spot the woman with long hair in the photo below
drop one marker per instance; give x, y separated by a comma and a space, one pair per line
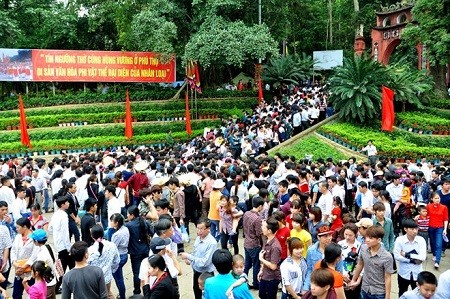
139, 244
120, 238
228, 214
314, 221
105, 255
332, 255
160, 283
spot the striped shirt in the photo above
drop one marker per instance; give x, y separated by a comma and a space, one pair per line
423, 223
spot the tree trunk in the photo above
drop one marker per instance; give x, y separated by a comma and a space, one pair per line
439, 72
330, 16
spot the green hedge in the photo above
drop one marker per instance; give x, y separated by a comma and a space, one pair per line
387, 144
90, 142
110, 117
439, 112
241, 103
424, 121
311, 145
67, 97
110, 130
440, 103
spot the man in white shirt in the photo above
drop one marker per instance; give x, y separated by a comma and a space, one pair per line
39, 183
6, 192
410, 251
112, 201
59, 226
371, 152
366, 201
19, 205
297, 122
325, 202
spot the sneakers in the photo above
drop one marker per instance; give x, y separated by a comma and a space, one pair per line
433, 259
436, 266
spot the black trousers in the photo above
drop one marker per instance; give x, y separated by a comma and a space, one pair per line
403, 284
66, 261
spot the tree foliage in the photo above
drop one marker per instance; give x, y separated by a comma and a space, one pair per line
355, 89
288, 69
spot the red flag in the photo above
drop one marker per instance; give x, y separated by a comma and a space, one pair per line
188, 116
197, 78
260, 91
128, 121
23, 124
387, 109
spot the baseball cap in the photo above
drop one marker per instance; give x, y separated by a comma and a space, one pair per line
157, 244
364, 222
323, 229
38, 235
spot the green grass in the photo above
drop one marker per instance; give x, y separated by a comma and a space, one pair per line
312, 145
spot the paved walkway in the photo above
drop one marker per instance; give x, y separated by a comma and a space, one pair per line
185, 280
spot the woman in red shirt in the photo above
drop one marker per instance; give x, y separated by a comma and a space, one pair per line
438, 226
282, 234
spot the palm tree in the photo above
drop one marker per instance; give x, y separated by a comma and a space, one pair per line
409, 84
355, 89
288, 69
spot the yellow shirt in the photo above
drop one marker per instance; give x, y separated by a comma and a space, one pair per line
304, 236
214, 198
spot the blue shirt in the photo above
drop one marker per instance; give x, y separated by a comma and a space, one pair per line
217, 286
136, 245
201, 258
312, 257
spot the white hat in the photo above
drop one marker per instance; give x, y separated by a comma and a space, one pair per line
141, 165
218, 184
379, 172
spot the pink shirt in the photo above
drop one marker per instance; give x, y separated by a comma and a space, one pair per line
38, 290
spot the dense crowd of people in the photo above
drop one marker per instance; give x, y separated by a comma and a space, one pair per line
322, 229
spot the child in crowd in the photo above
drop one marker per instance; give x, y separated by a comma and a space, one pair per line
426, 287
238, 273
336, 212
423, 220
405, 198
235, 211
201, 281
41, 274
298, 222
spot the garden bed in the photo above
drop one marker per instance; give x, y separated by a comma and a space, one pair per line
312, 146
388, 144
88, 144
421, 122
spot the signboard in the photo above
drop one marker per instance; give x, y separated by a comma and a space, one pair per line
327, 60
84, 66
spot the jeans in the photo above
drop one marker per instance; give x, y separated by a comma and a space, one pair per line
135, 201
74, 231
136, 260
435, 235
268, 289
215, 229
46, 200
252, 260
118, 276
365, 295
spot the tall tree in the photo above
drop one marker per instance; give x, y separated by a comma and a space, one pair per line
433, 31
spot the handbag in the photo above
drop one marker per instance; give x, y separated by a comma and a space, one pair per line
59, 270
